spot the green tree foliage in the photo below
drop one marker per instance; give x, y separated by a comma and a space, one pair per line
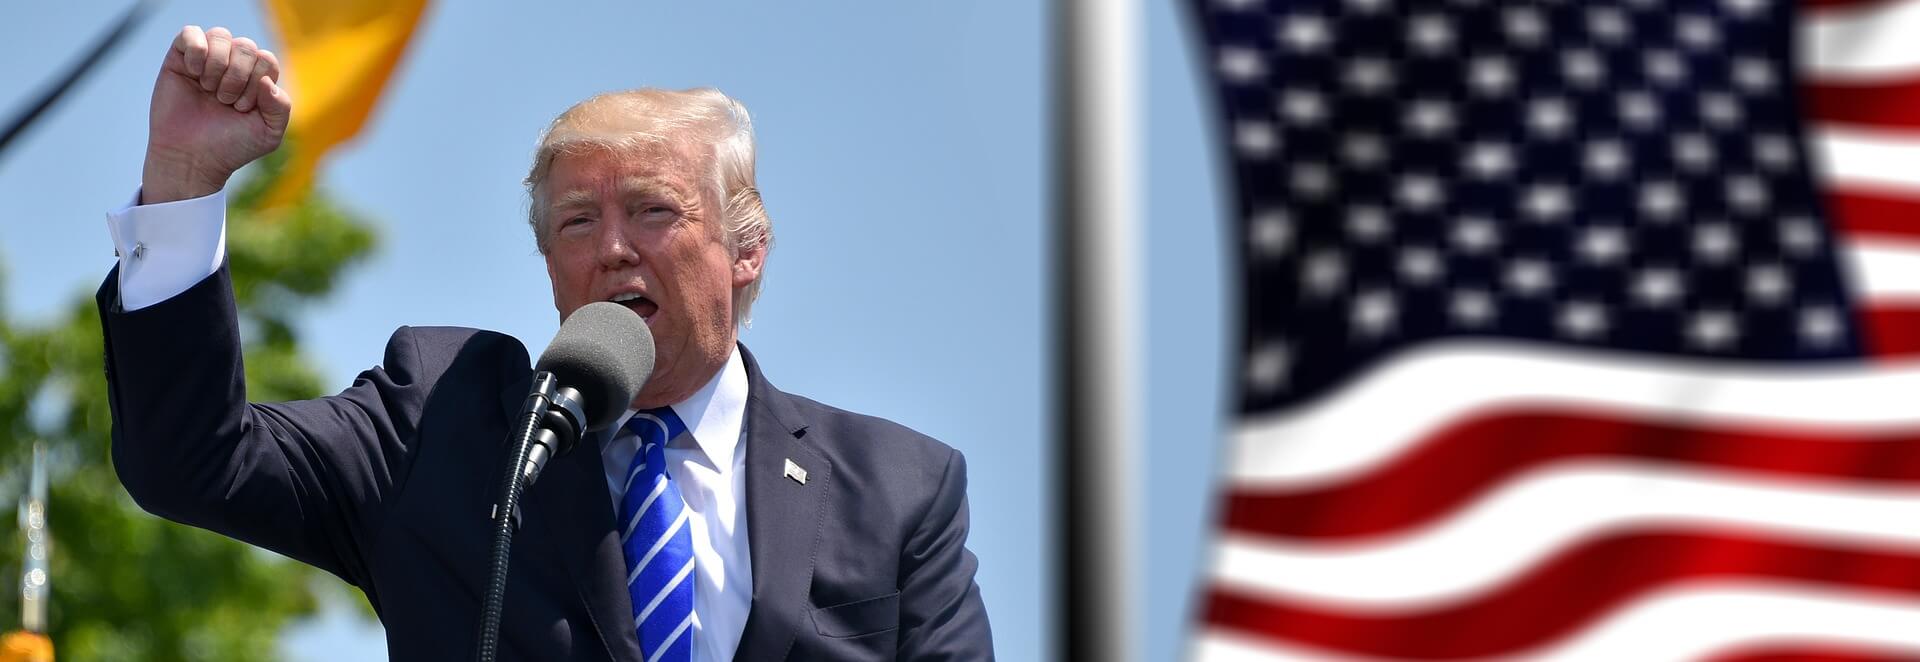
128, 585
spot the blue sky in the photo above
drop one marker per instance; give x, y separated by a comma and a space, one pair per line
903, 153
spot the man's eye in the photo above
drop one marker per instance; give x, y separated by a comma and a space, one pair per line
577, 220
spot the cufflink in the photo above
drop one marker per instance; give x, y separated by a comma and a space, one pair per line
794, 472
139, 249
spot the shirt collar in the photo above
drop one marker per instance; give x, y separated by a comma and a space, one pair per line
715, 413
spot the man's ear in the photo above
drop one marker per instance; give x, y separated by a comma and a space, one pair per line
746, 267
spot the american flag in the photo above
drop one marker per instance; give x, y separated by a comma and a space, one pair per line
1573, 329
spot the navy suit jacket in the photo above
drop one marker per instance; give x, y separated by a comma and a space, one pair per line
388, 485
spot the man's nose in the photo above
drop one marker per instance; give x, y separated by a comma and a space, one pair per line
610, 241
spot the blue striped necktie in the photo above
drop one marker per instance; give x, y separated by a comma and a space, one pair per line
657, 542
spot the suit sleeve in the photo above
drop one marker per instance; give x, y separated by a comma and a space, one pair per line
942, 616
305, 479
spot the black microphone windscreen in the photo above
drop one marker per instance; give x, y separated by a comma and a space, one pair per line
604, 351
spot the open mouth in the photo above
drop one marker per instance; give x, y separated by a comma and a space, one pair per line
638, 304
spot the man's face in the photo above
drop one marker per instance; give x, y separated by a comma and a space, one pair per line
638, 227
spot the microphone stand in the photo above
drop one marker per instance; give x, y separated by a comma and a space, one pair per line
550, 423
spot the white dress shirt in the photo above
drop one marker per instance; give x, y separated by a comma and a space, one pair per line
710, 469
166, 248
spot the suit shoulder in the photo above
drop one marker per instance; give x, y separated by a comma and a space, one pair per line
456, 336
433, 350
863, 439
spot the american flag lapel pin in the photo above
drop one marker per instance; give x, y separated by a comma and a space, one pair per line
796, 473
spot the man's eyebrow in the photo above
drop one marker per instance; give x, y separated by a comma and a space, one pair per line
644, 185
573, 198
639, 185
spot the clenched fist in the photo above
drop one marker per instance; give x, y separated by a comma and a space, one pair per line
217, 106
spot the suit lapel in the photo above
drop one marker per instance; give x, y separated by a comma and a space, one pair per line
573, 518
783, 517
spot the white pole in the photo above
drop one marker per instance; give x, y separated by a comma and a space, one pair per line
1098, 192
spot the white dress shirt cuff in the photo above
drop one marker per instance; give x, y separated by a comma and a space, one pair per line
166, 248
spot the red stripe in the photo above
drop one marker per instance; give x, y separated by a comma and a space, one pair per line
1893, 104
1462, 461
1859, 212
1893, 331
1563, 594
1815, 652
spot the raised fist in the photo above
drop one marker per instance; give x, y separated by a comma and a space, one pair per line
217, 106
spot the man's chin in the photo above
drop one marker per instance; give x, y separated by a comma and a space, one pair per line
654, 395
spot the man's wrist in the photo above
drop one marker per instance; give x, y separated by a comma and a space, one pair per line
168, 180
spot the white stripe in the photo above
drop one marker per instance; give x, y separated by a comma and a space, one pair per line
659, 425
1871, 43
672, 637
1681, 623
658, 545
662, 595
1400, 401
1520, 524
1869, 158
1212, 644
637, 469
659, 487
1885, 270
1694, 622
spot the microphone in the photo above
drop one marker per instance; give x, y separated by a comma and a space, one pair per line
588, 376
585, 380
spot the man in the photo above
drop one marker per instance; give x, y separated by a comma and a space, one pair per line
722, 519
